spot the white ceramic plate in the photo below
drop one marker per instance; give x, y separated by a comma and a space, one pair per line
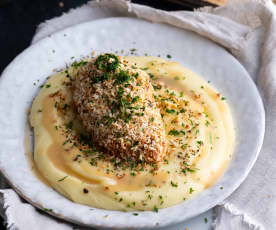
196, 53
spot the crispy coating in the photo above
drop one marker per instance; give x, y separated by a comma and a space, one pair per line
116, 105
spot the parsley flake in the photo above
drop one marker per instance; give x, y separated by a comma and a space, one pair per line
170, 110
62, 179
174, 184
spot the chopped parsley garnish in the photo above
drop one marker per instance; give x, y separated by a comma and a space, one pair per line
135, 214
62, 179
174, 184
200, 142
101, 78
48, 210
122, 77
188, 170
109, 120
172, 93
169, 56
48, 86
120, 91
182, 132
170, 110
155, 209
107, 62
191, 190
135, 143
174, 132
69, 125
76, 64
152, 119
223, 98
184, 146
90, 152
93, 162
135, 99
205, 220
151, 75
192, 170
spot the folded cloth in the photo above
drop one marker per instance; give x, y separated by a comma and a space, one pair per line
248, 30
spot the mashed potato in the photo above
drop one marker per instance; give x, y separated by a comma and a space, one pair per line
199, 133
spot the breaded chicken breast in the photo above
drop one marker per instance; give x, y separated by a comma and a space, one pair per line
116, 105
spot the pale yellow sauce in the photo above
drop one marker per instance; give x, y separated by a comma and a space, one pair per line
144, 191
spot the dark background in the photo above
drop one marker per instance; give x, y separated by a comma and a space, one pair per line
19, 19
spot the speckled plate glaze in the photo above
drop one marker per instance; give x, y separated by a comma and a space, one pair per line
114, 34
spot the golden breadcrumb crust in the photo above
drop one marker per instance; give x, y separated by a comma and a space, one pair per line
118, 109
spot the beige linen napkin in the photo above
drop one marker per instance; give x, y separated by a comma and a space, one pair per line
248, 30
